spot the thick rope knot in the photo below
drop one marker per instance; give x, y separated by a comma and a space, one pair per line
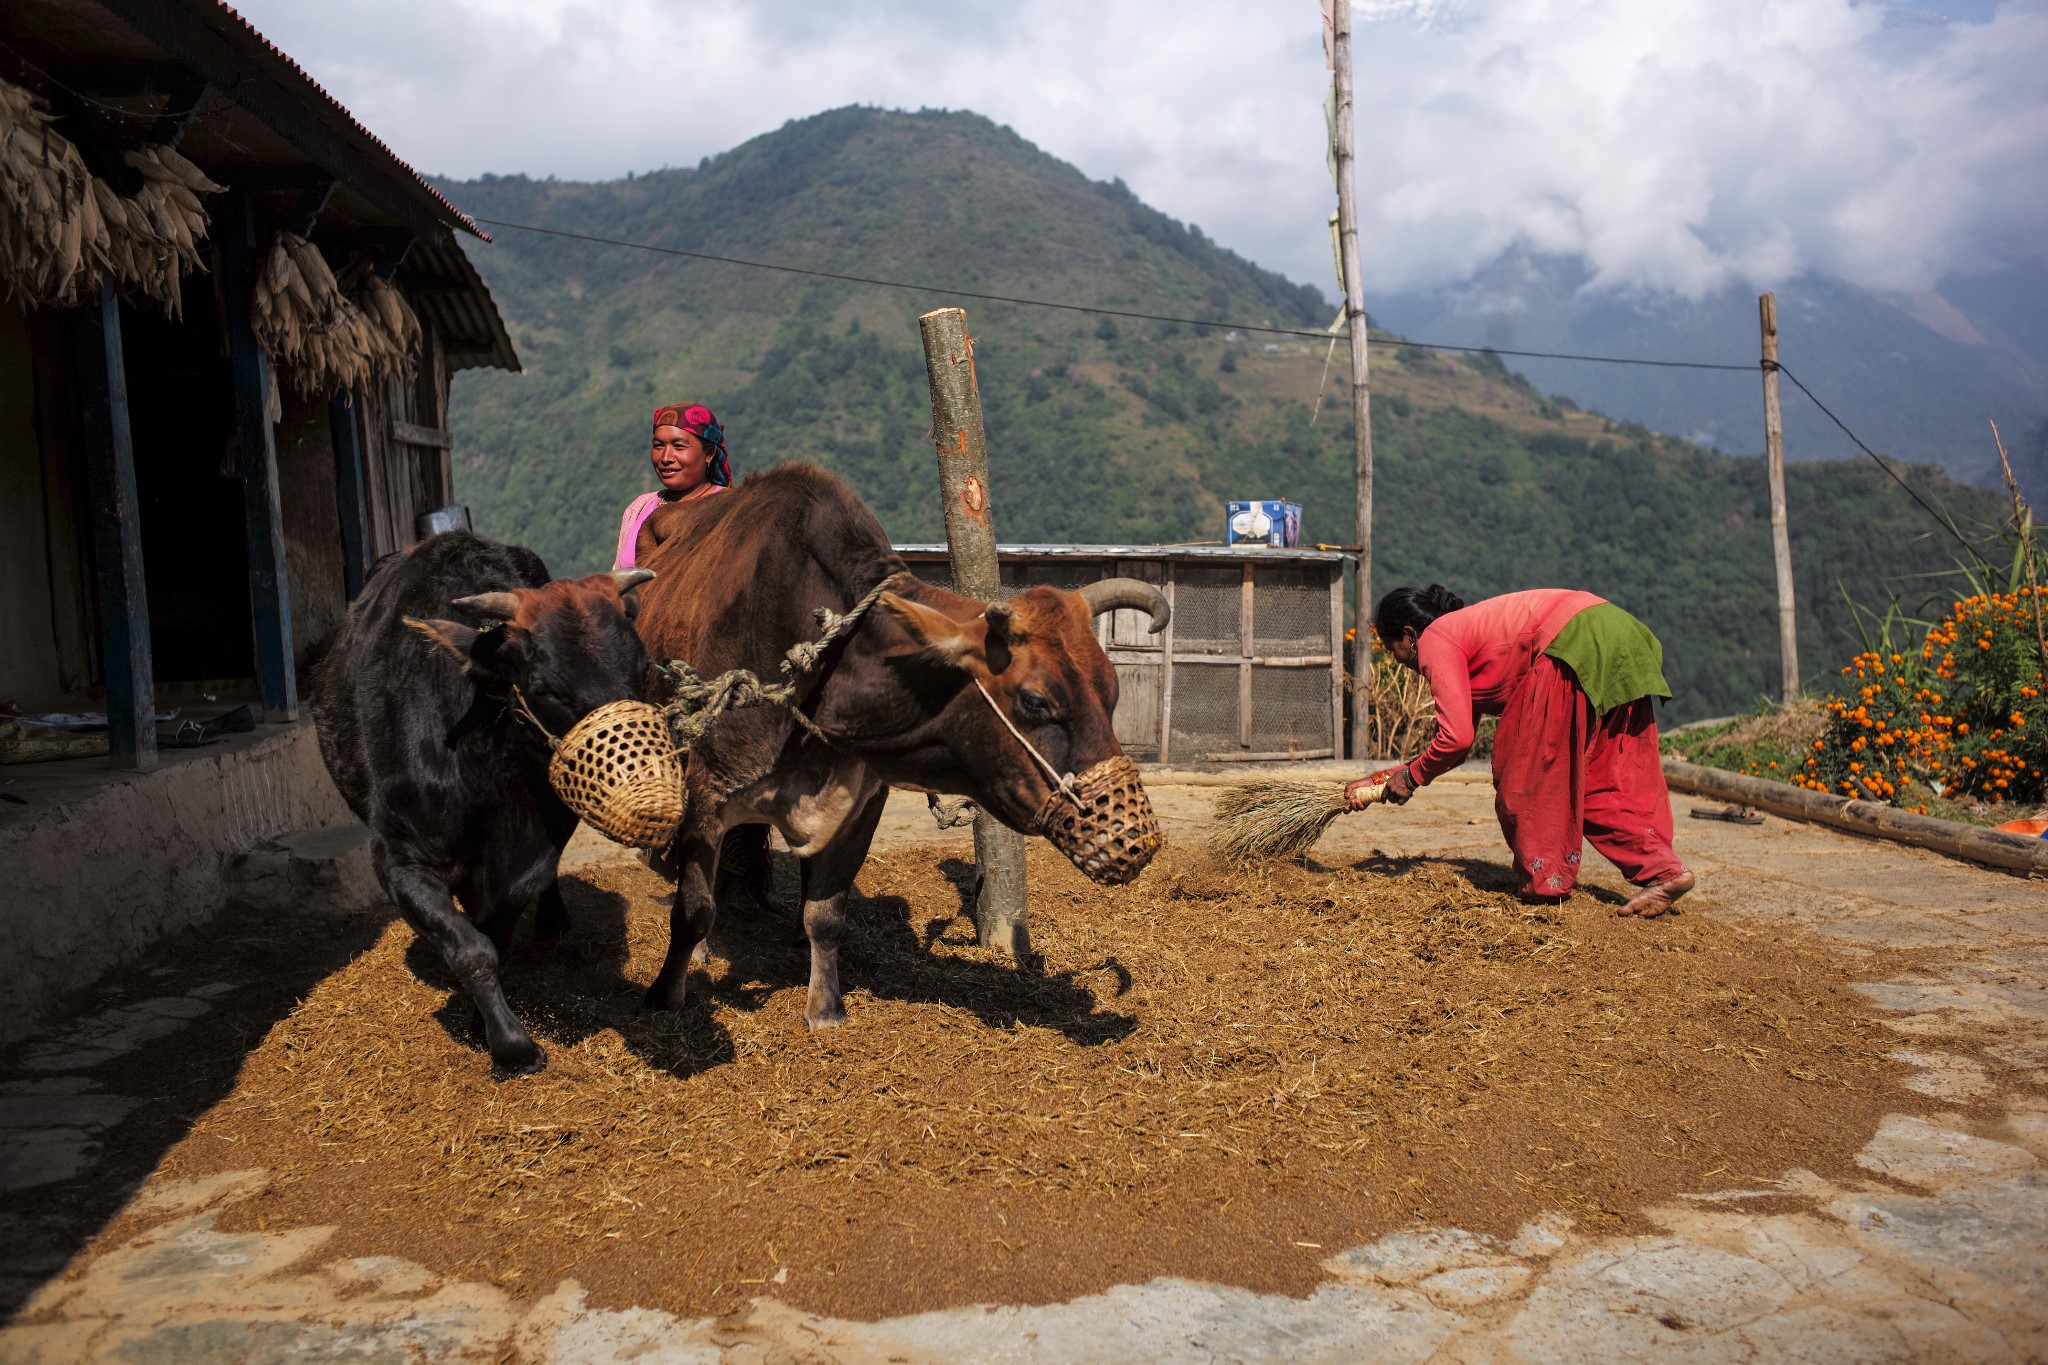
694, 704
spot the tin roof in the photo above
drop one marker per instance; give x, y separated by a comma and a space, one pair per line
1262, 554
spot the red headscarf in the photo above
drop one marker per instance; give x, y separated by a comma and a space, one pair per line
696, 419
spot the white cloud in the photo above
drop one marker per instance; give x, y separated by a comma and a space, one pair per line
1678, 145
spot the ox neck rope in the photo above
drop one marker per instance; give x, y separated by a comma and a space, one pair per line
695, 703
1063, 781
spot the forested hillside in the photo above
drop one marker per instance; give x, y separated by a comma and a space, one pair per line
1108, 430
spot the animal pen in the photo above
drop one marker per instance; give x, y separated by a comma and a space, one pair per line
1251, 667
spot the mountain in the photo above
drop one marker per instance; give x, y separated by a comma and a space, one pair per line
1916, 376
1107, 429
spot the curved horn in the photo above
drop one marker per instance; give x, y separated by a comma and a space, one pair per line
629, 579
501, 605
1112, 593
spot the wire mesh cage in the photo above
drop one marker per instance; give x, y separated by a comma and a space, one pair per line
1251, 666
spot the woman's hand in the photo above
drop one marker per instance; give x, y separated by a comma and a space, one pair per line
1400, 786
1381, 785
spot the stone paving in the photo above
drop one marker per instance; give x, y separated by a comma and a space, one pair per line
1942, 1254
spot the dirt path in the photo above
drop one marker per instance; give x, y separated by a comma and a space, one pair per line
1901, 1215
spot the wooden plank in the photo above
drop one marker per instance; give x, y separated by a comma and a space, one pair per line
1337, 657
1264, 660
1002, 904
352, 489
102, 397
407, 433
1246, 623
1270, 756
1166, 672
253, 459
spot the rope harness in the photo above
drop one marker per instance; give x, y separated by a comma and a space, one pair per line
695, 703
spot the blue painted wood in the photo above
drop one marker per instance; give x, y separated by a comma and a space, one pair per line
351, 487
109, 450
252, 457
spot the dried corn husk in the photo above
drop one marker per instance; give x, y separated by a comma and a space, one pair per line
62, 231
49, 222
327, 336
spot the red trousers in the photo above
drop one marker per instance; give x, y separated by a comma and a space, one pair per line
1563, 776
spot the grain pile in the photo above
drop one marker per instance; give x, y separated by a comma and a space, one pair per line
328, 337
62, 230
1227, 1074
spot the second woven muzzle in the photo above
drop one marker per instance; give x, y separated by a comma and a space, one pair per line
1114, 833
618, 769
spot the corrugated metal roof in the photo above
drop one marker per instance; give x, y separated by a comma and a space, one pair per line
446, 290
239, 30
1261, 554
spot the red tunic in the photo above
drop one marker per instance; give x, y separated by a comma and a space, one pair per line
1473, 657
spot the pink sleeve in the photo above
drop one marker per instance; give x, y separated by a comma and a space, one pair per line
1443, 664
637, 512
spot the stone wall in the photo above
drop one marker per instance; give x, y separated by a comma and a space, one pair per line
96, 876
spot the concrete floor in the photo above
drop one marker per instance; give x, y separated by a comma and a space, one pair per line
1942, 1255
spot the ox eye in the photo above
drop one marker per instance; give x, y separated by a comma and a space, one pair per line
1032, 705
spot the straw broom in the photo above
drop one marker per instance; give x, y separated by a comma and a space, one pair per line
1279, 819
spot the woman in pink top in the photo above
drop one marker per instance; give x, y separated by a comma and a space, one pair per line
1575, 760
689, 458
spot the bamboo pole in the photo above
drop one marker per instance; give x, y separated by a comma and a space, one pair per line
1001, 906
1781, 536
1361, 385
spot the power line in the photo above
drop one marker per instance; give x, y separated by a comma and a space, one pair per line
1088, 308
1947, 523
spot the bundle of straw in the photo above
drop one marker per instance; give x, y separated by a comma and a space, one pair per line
1279, 819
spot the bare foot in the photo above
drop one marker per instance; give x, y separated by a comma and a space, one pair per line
1655, 900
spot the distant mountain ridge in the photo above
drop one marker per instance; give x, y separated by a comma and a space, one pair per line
1916, 376
1105, 429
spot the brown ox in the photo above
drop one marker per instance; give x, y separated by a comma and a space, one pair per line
738, 580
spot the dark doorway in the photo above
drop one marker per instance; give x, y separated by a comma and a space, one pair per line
194, 550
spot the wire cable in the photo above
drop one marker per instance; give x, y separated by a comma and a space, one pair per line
1317, 334
1947, 523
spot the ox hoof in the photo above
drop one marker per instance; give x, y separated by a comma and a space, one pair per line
660, 997
519, 1061
815, 1020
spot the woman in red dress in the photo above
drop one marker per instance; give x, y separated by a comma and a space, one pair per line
690, 461
1575, 759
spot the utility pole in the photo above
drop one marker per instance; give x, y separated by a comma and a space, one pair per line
1361, 386
1781, 535
1001, 906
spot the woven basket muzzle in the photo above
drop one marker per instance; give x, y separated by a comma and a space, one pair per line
1113, 835
617, 768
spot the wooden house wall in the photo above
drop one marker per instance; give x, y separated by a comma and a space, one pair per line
406, 478
312, 525
46, 648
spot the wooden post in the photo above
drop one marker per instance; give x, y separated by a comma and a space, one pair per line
1781, 535
252, 457
102, 396
351, 488
1001, 910
1361, 384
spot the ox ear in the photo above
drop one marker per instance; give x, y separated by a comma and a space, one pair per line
946, 641
452, 636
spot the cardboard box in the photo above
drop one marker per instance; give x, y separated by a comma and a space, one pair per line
1265, 522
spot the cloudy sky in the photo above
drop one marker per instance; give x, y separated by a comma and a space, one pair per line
1678, 145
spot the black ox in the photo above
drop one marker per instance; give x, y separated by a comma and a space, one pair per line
414, 724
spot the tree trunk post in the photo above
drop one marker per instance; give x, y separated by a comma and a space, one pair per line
1001, 913
1781, 535
1361, 385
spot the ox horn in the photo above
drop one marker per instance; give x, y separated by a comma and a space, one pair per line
1111, 593
629, 579
502, 606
